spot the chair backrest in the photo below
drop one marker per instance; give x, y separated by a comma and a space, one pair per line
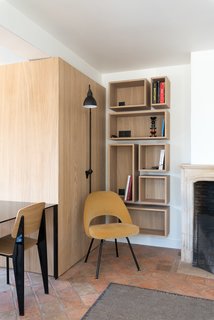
32, 219
101, 203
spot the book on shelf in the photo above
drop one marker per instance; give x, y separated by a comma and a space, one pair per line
162, 92
163, 128
128, 191
162, 158
154, 92
158, 91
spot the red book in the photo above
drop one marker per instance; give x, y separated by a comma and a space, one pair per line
129, 193
162, 92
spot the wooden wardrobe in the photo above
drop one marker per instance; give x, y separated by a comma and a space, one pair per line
44, 146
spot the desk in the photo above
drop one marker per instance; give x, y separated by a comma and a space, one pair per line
8, 211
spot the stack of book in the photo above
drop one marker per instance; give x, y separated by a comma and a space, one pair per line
158, 91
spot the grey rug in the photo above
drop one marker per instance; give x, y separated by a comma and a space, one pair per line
122, 302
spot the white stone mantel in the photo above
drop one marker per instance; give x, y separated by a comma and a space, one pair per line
190, 173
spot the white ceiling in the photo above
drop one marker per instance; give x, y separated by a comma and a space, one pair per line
119, 35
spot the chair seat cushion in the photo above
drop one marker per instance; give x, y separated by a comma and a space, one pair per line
113, 230
7, 244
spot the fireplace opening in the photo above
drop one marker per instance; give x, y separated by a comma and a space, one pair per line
203, 225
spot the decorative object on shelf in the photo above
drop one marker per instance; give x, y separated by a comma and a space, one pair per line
121, 192
125, 133
89, 103
153, 127
121, 103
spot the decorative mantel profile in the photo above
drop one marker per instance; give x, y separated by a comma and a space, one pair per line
190, 173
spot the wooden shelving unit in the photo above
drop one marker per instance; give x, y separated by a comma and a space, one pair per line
149, 158
123, 162
152, 220
132, 94
160, 92
154, 189
130, 121
139, 123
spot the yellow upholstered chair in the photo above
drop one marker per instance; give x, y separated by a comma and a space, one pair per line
29, 219
107, 203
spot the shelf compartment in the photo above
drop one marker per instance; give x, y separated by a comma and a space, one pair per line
123, 162
154, 189
139, 123
157, 91
149, 158
151, 220
135, 94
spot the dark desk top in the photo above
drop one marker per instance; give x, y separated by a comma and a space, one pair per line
9, 209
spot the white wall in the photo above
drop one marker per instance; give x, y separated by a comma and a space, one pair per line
14, 21
202, 107
179, 77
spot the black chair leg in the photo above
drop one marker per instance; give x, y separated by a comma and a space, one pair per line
42, 250
43, 264
8, 270
18, 266
99, 258
116, 247
89, 250
134, 257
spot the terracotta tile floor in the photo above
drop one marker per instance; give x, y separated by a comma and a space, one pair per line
74, 292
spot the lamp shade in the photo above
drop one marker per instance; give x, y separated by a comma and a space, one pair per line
89, 101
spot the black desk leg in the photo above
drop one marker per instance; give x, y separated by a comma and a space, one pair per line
55, 240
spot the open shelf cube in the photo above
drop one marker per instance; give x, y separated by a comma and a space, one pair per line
123, 162
130, 95
151, 220
154, 190
139, 125
149, 157
160, 92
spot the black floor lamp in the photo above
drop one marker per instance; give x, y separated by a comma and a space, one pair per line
89, 103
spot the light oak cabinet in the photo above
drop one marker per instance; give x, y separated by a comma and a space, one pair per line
130, 95
160, 92
144, 160
123, 162
152, 220
44, 147
149, 158
154, 189
138, 124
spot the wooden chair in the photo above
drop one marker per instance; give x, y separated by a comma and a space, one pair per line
28, 220
108, 203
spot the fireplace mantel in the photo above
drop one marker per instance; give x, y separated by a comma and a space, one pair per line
190, 173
